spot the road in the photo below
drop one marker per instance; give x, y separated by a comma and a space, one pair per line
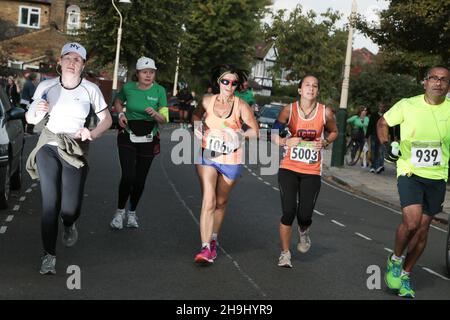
349, 235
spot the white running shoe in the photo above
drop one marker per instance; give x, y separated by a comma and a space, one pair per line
285, 259
48, 264
70, 235
304, 242
117, 221
132, 220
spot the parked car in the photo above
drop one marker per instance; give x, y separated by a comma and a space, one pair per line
174, 111
268, 114
11, 147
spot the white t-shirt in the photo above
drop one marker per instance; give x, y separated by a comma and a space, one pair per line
68, 108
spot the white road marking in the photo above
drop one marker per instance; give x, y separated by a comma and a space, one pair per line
9, 218
319, 213
338, 223
3, 229
28, 190
254, 174
261, 179
372, 202
276, 189
435, 273
265, 182
389, 250
34, 185
249, 170
236, 264
362, 236
16, 207
22, 198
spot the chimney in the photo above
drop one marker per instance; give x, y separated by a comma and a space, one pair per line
58, 14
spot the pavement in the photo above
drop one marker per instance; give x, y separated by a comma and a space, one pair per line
379, 187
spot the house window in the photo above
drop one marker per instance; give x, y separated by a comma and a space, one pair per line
73, 19
29, 17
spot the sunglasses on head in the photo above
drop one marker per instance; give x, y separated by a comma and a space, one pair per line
226, 82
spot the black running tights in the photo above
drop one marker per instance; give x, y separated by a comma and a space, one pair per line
299, 193
62, 188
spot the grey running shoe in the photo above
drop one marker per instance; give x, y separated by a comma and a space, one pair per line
48, 264
117, 221
70, 235
132, 220
304, 242
285, 259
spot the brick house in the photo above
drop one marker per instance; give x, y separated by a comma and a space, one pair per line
35, 31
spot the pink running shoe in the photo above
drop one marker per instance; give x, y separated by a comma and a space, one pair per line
213, 246
204, 256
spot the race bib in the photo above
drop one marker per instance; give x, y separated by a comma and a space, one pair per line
141, 139
217, 144
305, 152
426, 154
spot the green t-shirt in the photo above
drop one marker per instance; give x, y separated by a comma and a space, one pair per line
356, 122
424, 137
137, 100
246, 95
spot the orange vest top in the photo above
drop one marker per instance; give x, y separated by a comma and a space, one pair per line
219, 134
303, 158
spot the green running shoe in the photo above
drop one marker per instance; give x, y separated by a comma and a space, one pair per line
405, 289
392, 276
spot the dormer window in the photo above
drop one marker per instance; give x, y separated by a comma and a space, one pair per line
29, 17
73, 19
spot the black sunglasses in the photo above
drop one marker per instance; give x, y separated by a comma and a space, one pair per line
226, 82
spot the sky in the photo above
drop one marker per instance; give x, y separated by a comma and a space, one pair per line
364, 7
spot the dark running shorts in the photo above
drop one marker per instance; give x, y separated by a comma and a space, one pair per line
427, 192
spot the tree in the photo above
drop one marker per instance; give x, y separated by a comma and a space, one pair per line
372, 87
150, 28
220, 32
413, 35
306, 46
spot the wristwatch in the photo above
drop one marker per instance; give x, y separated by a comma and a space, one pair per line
120, 114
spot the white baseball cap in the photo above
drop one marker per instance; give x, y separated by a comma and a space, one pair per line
145, 63
74, 47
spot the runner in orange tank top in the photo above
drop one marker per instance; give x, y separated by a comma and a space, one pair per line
299, 176
217, 122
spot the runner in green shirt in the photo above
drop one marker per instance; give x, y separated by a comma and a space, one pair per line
422, 170
138, 138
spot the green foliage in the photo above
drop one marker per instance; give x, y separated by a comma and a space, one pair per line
307, 46
413, 35
150, 28
371, 88
220, 32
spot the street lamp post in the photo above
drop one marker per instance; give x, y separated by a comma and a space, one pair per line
337, 156
119, 38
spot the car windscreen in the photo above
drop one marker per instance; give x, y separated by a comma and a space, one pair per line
270, 112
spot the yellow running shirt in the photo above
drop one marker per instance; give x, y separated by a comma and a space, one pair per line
424, 135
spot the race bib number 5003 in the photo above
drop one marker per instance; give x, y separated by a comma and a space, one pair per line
305, 152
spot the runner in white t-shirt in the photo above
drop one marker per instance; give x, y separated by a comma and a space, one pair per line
65, 102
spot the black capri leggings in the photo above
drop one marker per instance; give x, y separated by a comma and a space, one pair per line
135, 161
62, 188
299, 193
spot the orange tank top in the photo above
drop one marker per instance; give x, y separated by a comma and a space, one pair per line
219, 134
304, 158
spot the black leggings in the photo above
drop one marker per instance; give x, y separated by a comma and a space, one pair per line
62, 188
299, 193
135, 161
